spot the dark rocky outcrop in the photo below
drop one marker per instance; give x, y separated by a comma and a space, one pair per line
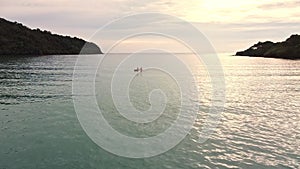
16, 39
289, 49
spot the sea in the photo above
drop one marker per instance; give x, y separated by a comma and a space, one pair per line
43, 124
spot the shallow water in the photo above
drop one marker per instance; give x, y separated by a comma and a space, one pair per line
259, 127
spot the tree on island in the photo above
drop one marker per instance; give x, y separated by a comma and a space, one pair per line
17, 39
289, 49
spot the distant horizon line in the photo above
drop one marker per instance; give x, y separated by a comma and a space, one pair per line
160, 52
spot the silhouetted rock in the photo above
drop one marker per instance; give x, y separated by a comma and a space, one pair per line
289, 49
16, 39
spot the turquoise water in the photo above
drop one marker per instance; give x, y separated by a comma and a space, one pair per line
259, 127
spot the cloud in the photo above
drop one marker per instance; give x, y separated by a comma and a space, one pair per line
286, 4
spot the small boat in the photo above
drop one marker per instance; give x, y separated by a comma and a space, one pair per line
136, 70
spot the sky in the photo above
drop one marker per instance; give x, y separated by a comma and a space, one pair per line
230, 25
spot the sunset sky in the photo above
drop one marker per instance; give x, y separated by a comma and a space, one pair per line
230, 25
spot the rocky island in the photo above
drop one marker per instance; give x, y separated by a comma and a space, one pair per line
17, 39
289, 49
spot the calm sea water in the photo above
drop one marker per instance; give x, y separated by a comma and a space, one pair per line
259, 127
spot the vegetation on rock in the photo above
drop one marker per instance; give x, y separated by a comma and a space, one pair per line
16, 39
289, 49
